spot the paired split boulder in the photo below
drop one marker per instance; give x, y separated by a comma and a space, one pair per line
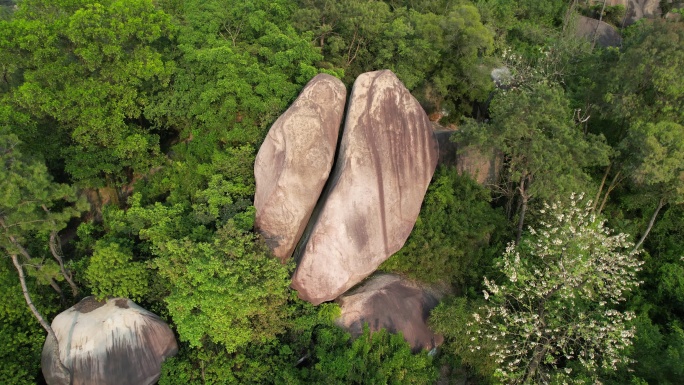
112, 342
385, 161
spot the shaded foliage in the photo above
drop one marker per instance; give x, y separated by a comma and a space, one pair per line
88, 69
452, 241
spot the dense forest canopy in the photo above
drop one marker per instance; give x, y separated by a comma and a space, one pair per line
129, 129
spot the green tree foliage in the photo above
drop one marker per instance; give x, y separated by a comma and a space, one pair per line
452, 318
658, 352
311, 351
655, 161
555, 310
257, 362
112, 273
372, 358
663, 282
636, 89
87, 69
239, 65
230, 291
21, 337
658, 344
657, 150
451, 240
524, 25
437, 51
168, 100
546, 154
32, 210
644, 82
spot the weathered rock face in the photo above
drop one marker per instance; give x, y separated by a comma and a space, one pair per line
294, 162
484, 167
385, 162
606, 34
637, 9
113, 342
393, 303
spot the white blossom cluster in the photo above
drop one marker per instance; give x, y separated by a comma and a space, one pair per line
521, 71
557, 303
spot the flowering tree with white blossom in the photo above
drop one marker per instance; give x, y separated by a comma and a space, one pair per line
556, 305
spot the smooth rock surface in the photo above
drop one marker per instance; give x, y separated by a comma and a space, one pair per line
390, 302
606, 34
294, 163
386, 159
114, 342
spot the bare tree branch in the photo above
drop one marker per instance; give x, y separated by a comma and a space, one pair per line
57, 254
51, 333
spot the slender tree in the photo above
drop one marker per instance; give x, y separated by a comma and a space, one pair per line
546, 154
27, 194
656, 164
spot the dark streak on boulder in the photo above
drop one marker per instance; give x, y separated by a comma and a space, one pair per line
385, 162
88, 304
121, 303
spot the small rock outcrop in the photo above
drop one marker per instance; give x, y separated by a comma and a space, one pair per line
637, 9
113, 342
390, 302
606, 35
386, 159
482, 166
294, 162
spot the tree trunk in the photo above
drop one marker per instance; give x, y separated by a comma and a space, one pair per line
568, 14
661, 203
600, 190
26, 255
509, 193
611, 187
537, 358
56, 249
59, 291
523, 209
598, 23
39, 317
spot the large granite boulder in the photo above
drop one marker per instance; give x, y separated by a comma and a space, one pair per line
385, 162
294, 162
390, 302
113, 342
605, 34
